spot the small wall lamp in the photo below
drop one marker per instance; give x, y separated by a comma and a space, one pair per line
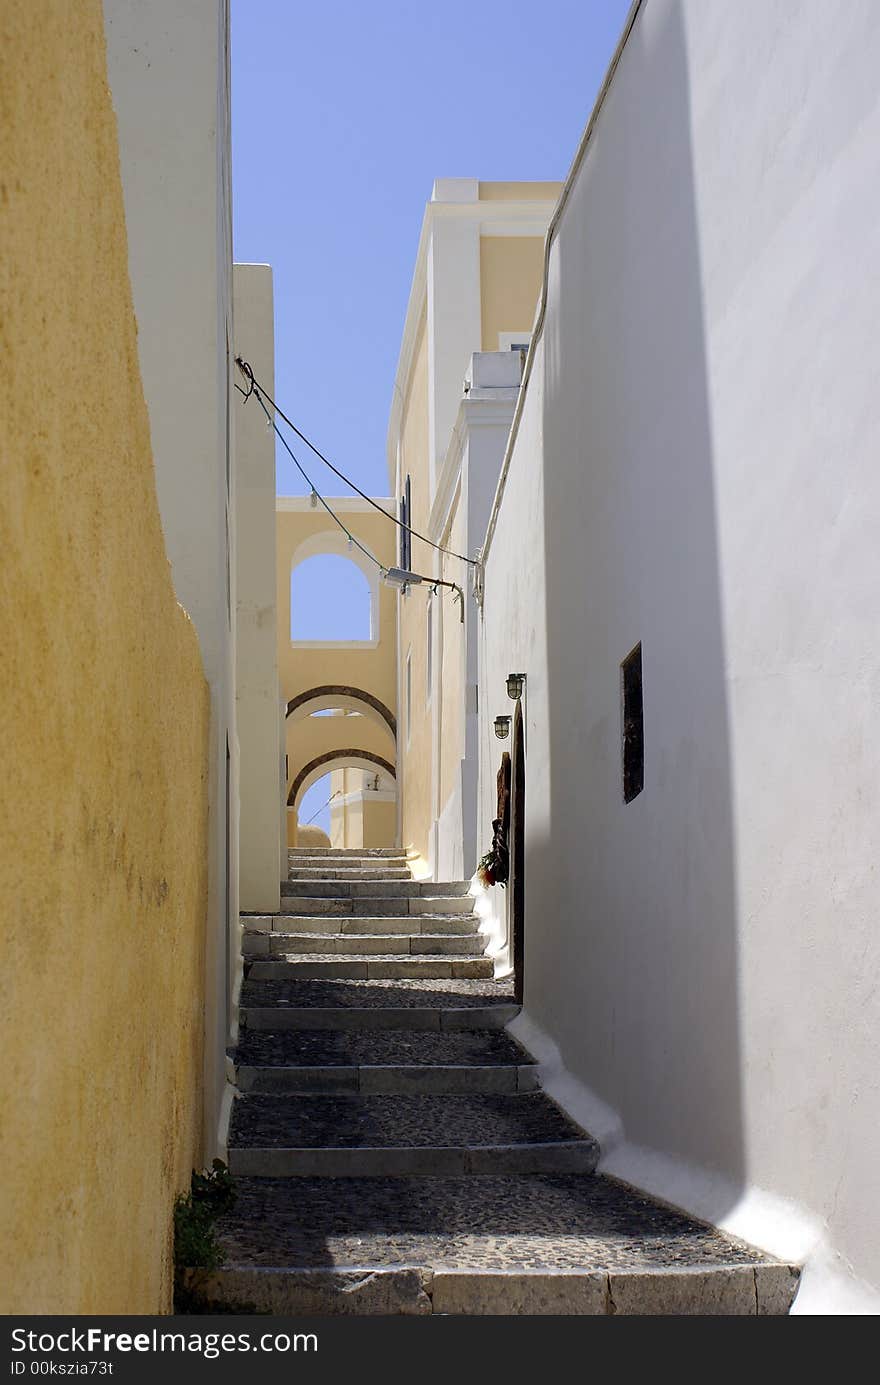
502, 728
515, 683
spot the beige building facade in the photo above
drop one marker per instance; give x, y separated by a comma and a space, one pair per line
472, 303
339, 696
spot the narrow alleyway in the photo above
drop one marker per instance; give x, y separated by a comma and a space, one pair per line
392, 1148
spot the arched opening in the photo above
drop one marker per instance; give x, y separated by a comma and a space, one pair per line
336, 759
350, 795
331, 600
315, 803
331, 697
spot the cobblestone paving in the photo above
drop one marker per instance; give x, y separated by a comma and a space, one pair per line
375, 994
397, 1047
555, 1222
476, 1221
412, 1122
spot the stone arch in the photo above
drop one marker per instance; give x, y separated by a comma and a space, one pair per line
340, 759
340, 690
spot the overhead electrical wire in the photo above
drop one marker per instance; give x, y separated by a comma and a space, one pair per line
335, 794
431, 582
254, 387
314, 491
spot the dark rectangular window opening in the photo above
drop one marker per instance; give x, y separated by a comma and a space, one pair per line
633, 740
405, 547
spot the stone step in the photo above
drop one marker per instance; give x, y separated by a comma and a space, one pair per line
381, 944
446, 1017
266, 941
376, 906
346, 853
460, 925
332, 874
380, 888
379, 1135
484, 1245
343, 966
362, 995
388, 1080
370, 1005
389, 1061
323, 1048
268, 946
348, 870
331, 852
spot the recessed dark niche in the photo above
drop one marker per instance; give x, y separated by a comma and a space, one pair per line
633, 724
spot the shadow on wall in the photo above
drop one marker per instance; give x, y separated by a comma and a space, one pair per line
634, 970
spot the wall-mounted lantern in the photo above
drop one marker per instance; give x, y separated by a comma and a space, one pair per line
515, 682
502, 728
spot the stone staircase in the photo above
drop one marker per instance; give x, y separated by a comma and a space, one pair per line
392, 1148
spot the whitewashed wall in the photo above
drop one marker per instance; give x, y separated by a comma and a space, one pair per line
470, 472
168, 66
696, 468
257, 693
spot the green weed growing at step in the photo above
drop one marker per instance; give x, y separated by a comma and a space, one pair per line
195, 1239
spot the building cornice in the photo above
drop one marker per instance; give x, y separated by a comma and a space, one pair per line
480, 408
361, 796
523, 217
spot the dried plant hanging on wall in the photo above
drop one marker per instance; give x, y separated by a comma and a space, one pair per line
494, 867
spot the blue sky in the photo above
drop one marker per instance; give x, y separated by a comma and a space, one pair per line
343, 114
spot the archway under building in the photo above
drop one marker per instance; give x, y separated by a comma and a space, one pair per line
362, 797
329, 696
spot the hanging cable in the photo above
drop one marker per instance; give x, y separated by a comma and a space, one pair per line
254, 387
335, 794
316, 493
317, 497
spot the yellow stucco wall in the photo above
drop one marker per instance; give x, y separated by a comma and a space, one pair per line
103, 812
379, 824
511, 268
520, 191
308, 737
338, 816
372, 668
365, 820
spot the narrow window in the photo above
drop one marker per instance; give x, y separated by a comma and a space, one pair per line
408, 697
406, 519
633, 738
401, 533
